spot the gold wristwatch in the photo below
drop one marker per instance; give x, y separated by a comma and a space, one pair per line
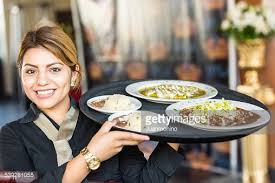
93, 162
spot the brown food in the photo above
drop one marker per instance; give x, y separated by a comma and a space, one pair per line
242, 117
120, 121
98, 104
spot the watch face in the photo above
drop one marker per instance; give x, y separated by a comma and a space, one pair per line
92, 162
94, 165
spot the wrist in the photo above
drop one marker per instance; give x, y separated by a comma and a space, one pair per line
91, 160
93, 150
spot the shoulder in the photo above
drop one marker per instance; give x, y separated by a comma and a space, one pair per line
11, 125
11, 128
21, 123
15, 128
9, 133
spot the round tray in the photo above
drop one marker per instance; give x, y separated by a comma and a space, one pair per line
184, 133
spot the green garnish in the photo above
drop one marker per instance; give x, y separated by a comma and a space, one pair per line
214, 105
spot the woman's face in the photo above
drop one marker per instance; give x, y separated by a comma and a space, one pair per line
46, 79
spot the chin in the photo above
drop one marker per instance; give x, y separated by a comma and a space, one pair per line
45, 105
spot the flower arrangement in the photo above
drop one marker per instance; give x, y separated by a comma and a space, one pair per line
248, 22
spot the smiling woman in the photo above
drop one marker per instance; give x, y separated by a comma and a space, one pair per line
48, 65
46, 80
54, 40
58, 141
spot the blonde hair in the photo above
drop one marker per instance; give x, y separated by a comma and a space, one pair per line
55, 40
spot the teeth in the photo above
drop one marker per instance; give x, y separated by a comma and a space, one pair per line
44, 92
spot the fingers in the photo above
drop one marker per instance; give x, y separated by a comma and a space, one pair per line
130, 136
130, 142
106, 127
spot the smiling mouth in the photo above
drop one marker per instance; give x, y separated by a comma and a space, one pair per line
44, 93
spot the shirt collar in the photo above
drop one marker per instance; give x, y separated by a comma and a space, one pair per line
33, 112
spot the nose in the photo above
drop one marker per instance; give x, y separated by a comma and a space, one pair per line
42, 79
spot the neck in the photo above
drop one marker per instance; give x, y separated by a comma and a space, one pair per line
58, 112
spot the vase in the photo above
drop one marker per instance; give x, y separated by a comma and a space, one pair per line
251, 59
251, 53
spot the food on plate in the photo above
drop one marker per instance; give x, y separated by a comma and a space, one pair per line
140, 121
219, 113
131, 121
172, 91
114, 102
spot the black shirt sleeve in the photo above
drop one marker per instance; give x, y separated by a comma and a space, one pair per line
161, 165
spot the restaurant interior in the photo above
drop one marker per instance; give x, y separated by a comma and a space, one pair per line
157, 39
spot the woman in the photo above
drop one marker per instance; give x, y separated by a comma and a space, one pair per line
59, 142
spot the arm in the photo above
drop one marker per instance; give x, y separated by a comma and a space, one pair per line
159, 168
115, 140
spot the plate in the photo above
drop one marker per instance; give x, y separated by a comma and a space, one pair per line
173, 112
133, 89
145, 122
136, 102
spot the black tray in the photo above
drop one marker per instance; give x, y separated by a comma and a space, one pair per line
184, 133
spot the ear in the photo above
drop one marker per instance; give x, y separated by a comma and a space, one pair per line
75, 74
76, 71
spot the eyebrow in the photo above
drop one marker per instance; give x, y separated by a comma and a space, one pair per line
49, 65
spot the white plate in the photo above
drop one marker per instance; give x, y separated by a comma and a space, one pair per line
173, 110
133, 100
133, 89
148, 123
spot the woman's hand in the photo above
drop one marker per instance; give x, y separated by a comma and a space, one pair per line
106, 144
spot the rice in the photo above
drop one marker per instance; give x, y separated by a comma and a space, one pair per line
134, 121
118, 102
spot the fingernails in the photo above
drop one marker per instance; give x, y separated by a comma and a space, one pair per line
146, 138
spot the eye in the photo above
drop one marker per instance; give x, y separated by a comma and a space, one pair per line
55, 69
29, 71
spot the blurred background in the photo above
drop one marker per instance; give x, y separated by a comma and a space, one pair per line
142, 39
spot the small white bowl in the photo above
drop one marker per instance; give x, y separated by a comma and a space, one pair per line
133, 100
